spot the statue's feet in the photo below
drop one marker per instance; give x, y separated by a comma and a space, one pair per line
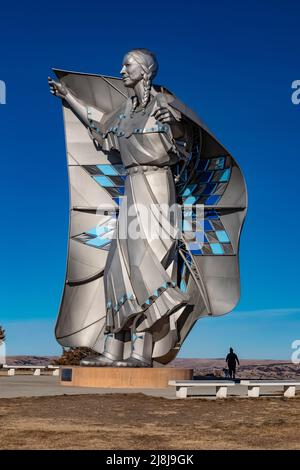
97, 361
131, 362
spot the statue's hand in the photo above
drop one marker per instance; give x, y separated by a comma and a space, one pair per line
57, 89
164, 115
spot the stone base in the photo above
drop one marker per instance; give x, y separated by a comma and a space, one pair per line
118, 377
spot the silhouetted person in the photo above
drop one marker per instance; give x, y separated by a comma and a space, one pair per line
231, 360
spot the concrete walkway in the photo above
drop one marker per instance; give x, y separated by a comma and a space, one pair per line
47, 385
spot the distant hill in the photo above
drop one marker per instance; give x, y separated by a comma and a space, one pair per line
249, 368
30, 360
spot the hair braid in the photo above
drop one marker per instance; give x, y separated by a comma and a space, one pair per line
135, 103
147, 87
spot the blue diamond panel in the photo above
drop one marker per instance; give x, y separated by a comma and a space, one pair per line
100, 236
108, 170
209, 181
104, 181
110, 177
98, 242
184, 277
211, 236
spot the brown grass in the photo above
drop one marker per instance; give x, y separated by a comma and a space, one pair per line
136, 421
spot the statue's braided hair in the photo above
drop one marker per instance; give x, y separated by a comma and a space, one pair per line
148, 62
135, 103
147, 82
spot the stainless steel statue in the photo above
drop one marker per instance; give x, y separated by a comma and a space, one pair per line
143, 266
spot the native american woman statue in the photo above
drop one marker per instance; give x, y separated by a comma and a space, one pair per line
157, 207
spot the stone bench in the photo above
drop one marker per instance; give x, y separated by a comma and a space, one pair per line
55, 369
289, 386
182, 386
12, 369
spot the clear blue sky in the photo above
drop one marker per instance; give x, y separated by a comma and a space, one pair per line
233, 63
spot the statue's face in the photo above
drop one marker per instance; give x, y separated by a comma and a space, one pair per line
131, 71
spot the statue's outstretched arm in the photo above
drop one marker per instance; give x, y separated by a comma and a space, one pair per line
60, 90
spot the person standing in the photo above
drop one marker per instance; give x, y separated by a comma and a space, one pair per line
231, 360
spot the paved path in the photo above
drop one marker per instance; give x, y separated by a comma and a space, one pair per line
47, 385
43, 385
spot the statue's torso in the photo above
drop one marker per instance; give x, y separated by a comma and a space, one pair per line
140, 138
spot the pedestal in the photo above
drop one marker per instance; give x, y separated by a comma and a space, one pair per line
117, 377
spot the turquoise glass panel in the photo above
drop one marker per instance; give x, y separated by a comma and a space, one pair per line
225, 176
222, 236
98, 242
188, 190
190, 200
104, 181
108, 170
182, 285
216, 248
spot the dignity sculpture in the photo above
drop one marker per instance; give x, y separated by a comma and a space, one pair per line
139, 275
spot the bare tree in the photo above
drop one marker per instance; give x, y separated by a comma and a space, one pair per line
2, 335
72, 356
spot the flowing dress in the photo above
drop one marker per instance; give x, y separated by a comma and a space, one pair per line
140, 276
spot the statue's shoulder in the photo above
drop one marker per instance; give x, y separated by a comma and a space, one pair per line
163, 94
111, 119
176, 104
165, 99
161, 97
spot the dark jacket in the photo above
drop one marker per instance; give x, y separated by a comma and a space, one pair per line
232, 359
